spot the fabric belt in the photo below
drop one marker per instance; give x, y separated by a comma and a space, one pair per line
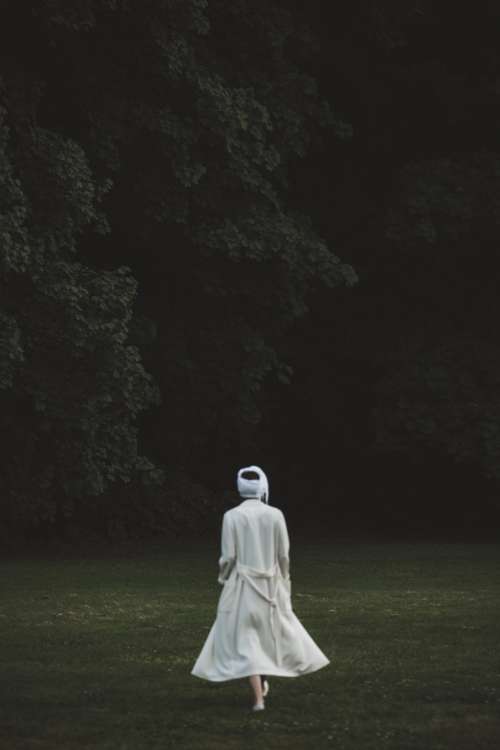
250, 574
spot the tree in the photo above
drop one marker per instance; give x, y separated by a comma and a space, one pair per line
151, 142
71, 386
194, 111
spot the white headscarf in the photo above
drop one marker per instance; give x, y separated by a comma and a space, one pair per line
258, 488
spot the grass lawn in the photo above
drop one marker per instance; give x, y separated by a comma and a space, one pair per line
97, 653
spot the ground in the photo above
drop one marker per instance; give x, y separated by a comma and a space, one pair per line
96, 652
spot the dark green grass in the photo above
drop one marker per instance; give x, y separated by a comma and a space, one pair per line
97, 653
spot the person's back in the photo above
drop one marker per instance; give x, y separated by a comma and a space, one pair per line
259, 532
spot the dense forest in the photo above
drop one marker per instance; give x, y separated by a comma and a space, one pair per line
249, 232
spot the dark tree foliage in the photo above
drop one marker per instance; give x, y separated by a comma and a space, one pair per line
178, 179
148, 142
71, 386
399, 381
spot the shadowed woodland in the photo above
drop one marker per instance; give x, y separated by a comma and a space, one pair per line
249, 232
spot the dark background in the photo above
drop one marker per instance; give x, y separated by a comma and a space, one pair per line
249, 232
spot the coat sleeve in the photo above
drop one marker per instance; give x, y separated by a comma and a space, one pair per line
283, 548
228, 550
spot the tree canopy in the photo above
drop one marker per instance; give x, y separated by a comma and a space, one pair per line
245, 228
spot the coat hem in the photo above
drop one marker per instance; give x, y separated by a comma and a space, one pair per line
264, 670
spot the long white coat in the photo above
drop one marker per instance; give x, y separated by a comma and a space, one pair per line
256, 630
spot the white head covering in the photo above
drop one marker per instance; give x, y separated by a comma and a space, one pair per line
258, 488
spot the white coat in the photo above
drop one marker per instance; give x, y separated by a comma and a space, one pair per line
255, 629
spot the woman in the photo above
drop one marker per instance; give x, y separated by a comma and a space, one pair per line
255, 632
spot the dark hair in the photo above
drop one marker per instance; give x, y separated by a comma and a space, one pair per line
250, 475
